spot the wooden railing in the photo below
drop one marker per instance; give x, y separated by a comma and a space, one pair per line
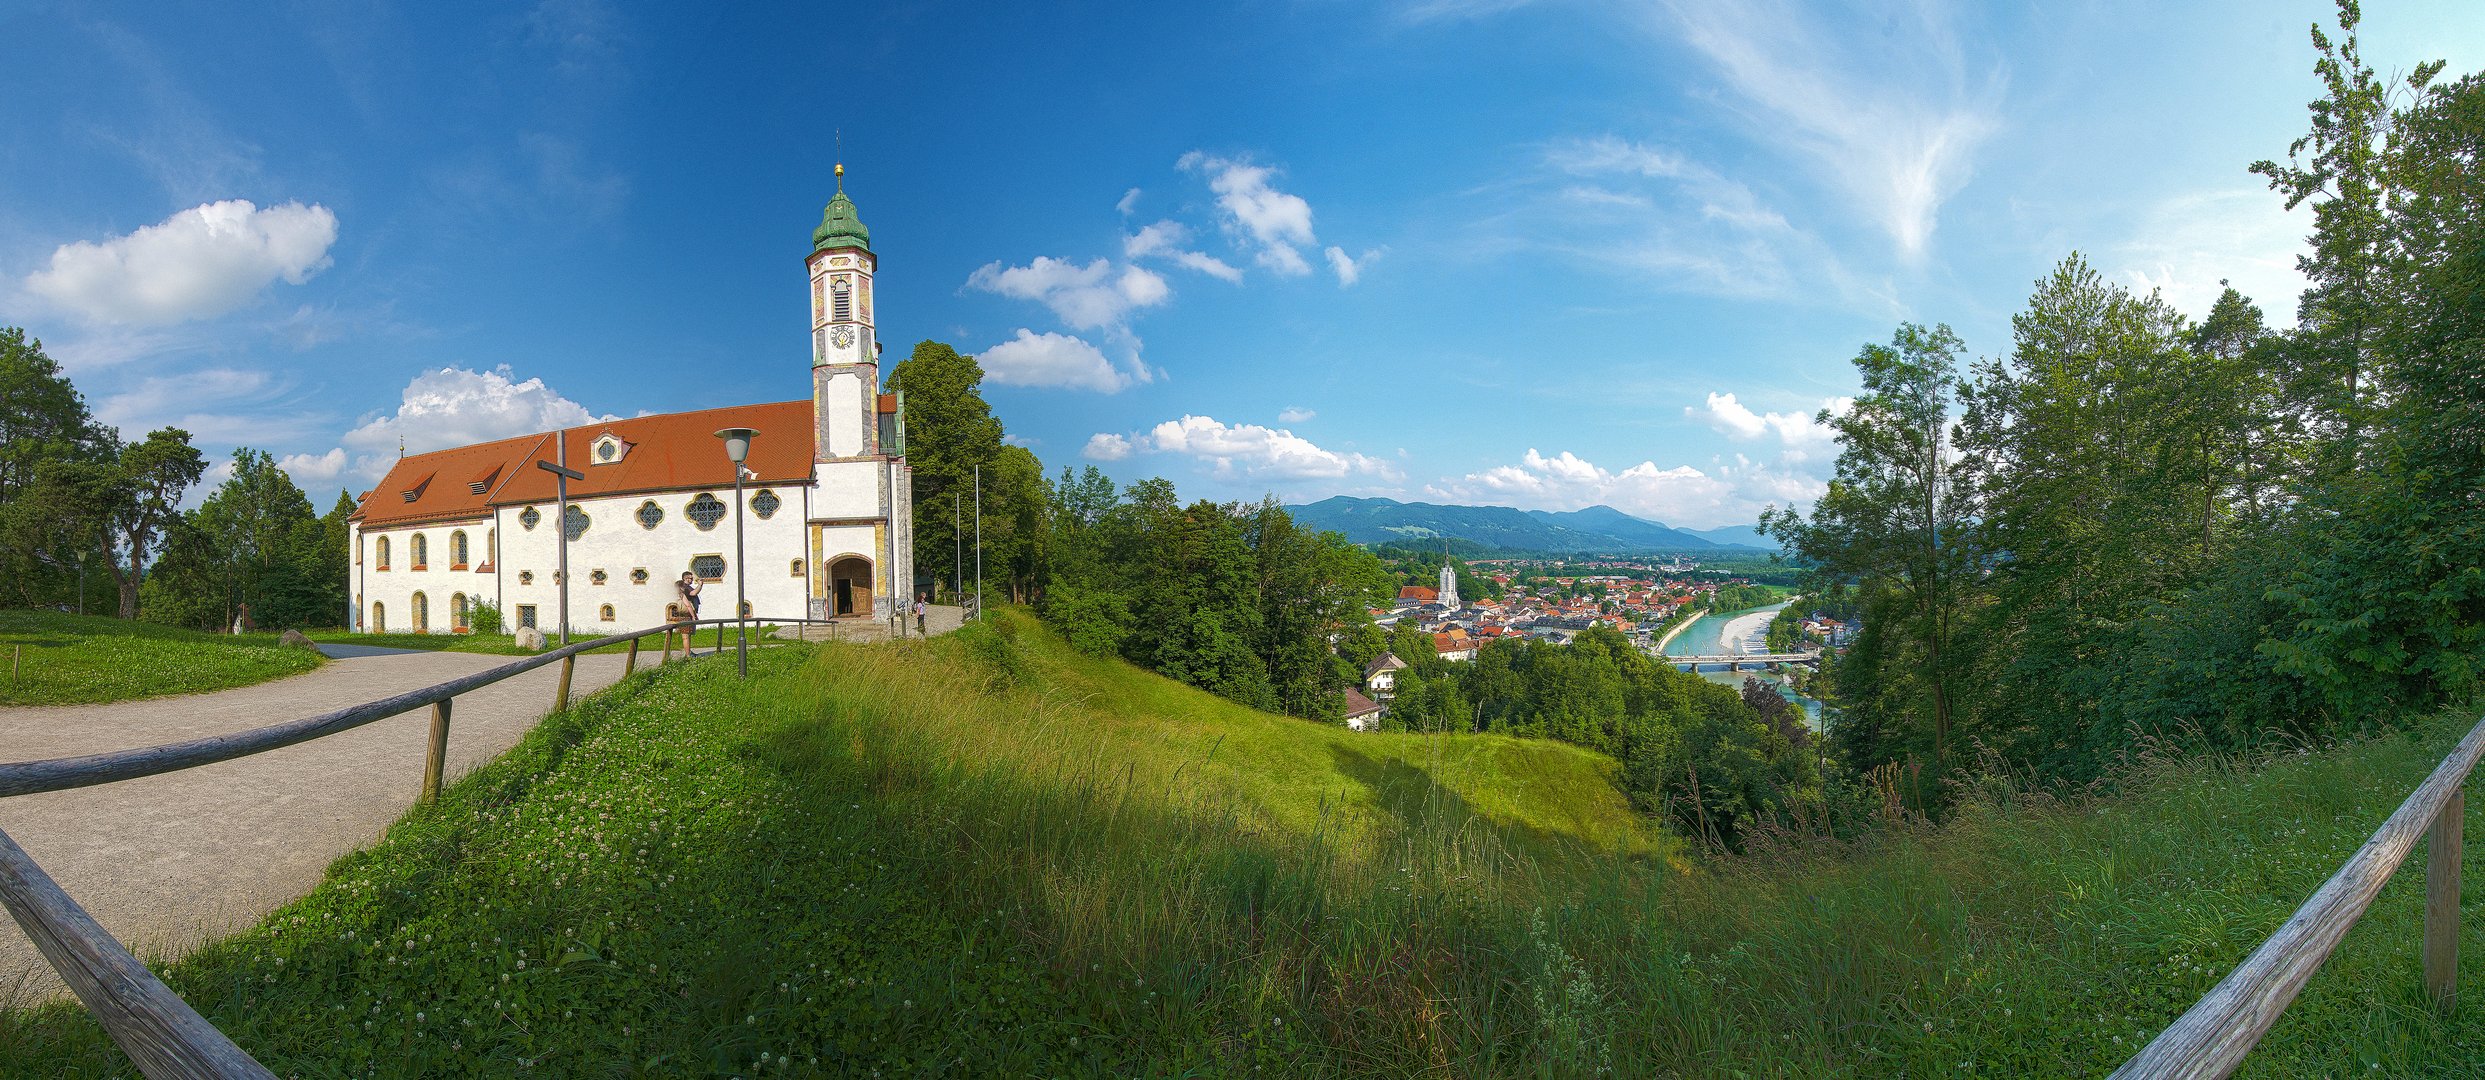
161, 1033
2212, 1038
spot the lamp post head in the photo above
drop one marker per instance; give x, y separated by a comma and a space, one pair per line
737, 443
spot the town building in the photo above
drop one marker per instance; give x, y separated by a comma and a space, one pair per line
826, 515
1362, 713
1381, 675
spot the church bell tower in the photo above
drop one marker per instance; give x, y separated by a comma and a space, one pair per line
861, 516
845, 362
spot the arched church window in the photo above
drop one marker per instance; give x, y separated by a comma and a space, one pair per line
704, 511
491, 545
575, 524
457, 550
650, 515
530, 517
457, 611
841, 303
605, 613
422, 614
797, 568
379, 617
765, 504
418, 552
708, 567
383, 553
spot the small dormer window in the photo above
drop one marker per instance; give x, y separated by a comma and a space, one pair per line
609, 448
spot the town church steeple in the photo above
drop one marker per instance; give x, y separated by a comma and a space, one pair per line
845, 361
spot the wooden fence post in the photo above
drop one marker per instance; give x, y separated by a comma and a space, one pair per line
668, 647
163, 1035
633, 663
438, 758
560, 699
2442, 850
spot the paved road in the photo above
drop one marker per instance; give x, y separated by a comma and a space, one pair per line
167, 861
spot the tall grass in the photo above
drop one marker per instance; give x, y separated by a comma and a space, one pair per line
986, 855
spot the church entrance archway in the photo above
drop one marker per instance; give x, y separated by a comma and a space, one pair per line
849, 586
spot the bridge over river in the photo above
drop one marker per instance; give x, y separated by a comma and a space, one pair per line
1735, 661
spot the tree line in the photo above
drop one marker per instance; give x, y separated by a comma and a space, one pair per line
2136, 527
92, 522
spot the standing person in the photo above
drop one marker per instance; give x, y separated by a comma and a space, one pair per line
688, 588
919, 631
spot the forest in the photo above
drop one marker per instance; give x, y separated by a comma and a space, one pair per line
2135, 529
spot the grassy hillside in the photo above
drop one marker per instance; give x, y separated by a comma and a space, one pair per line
86, 659
986, 856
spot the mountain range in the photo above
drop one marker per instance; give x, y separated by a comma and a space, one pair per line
1595, 530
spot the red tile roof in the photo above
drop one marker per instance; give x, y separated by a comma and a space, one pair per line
669, 452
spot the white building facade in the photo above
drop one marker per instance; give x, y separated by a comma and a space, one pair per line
825, 504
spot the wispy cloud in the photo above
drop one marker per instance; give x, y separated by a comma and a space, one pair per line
1651, 211
1892, 118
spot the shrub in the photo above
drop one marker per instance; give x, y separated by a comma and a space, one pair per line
484, 617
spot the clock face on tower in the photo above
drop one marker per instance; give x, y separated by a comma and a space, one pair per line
842, 337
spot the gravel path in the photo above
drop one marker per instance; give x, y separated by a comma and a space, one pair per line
165, 862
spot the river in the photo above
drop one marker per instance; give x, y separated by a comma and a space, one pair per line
1741, 631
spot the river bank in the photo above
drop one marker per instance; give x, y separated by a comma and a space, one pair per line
1679, 627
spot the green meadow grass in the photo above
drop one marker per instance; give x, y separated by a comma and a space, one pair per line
87, 659
987, 856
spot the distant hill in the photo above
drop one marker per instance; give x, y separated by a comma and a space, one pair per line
1736, 535
1595, 530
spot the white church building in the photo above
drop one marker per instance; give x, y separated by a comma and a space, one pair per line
826, 517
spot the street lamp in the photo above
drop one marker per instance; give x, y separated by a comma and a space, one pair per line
738, 448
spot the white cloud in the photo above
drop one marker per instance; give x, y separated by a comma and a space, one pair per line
201, 262
1165, 240
1682, 495
1731, 491
309, 469
1348, 268
1801, 435
1084, 297
1897, 129
1105, 446
1129, 202
1294, 414
2185, 245
444, 408
1276, 223
1242, 449
1051, 359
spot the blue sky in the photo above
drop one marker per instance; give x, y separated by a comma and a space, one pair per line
1533, 254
